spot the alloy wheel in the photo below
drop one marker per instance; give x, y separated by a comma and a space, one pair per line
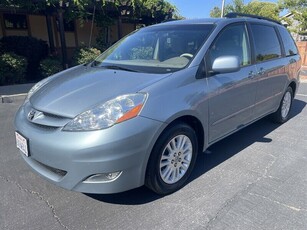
176, 159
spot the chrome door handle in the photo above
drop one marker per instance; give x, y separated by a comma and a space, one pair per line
251, 74
292, 60
261, 71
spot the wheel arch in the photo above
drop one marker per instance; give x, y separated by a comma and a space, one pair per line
195, 124
190, 120
187, 120
293, 85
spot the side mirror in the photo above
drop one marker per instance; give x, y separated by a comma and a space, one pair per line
226, 64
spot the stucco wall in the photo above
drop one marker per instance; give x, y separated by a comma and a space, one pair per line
10, 32
83, 32
127, 28
70, 39
38, 27
113, 33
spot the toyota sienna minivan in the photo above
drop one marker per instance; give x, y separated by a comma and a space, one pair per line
143, 110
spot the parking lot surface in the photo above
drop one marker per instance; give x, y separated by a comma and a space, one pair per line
254, 179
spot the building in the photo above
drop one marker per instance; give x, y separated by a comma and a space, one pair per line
295, 24
77, 33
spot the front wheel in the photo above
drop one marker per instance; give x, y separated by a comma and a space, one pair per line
283, 112
172, 159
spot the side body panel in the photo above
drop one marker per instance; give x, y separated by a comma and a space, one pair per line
271, 80
231, 101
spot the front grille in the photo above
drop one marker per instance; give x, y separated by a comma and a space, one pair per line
44, 119
54, 116
45, 127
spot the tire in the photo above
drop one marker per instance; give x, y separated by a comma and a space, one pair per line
172, 159
283, 112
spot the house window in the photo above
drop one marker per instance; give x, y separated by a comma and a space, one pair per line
15, 21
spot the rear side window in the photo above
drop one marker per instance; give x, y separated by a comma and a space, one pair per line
266, 42
290, 47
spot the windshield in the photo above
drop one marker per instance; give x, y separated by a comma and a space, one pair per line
157, 49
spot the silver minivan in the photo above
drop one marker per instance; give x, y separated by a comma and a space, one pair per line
143, 110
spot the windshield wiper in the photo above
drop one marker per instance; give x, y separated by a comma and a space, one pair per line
119, 68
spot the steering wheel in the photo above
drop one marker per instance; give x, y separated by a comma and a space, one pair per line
187, 55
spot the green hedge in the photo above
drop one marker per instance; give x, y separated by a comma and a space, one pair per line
85, 55
12, 69
32, 49
50, 66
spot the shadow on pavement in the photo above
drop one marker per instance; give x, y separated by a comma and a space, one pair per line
216, 154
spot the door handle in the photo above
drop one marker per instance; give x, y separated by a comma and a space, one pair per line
251, 74
292, 60
261, 71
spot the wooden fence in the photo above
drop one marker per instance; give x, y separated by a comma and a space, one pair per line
302, 47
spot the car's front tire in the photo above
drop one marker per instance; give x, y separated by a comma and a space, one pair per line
172, 159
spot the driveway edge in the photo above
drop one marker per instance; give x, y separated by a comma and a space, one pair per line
12, 98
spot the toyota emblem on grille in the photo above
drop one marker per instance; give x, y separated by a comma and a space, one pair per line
31, 114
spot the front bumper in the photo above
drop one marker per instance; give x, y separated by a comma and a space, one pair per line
67, 159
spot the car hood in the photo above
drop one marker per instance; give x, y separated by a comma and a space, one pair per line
81, 88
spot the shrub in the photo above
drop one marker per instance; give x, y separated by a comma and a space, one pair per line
12, 69
101, 44
32, 49
84, 55
50, 66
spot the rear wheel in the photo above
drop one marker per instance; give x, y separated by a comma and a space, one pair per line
172, 159
283, 112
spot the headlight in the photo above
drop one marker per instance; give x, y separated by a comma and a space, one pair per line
36, 87
105, 115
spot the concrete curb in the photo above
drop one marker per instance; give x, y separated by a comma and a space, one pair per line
12, 98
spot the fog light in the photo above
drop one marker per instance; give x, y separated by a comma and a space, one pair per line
103, 177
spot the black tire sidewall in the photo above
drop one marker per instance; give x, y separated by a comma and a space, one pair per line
281, 118
153, 177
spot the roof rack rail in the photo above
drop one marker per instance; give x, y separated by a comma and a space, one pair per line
170, 20
235, 15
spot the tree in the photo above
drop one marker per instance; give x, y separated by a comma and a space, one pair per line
215, 12
265, 9
299, 10
108, 11
136, 11
237, 6
153, 10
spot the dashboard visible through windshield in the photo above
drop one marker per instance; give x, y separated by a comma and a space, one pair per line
156, 49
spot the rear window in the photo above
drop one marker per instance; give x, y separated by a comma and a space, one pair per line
266, 42
290, 47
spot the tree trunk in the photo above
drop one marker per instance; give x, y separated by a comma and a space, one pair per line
62, 38
119, 28
50, 34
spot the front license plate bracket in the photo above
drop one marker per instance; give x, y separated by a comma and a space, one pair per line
22, 144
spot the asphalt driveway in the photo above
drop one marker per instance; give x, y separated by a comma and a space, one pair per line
254, 179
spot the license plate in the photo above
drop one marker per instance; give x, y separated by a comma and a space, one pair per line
22, 144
